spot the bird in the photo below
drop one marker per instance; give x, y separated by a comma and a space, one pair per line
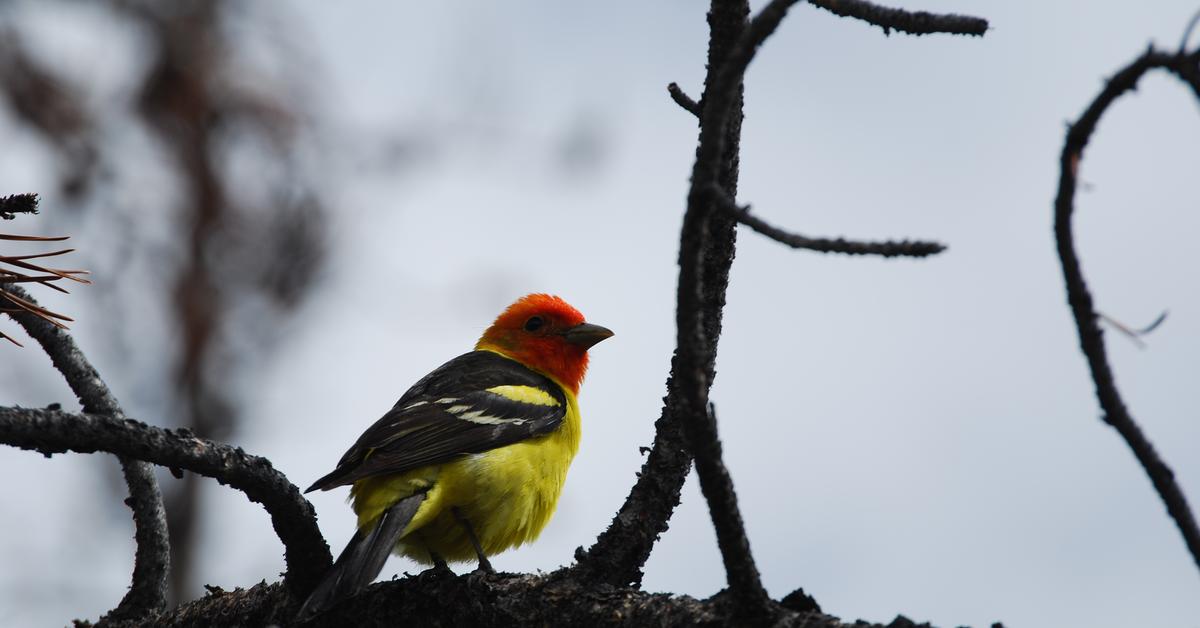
473, 457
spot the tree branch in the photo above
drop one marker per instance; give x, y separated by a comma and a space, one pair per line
694, 344
617, 556
706, 254
726, 515
147, 593
53, 431
498, 600
887, 248
910, 22
1187, 69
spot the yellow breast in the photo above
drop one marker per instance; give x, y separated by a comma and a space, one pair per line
508, 494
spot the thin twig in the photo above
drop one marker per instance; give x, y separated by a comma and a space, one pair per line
1134, 335
1091, 339
148, 592
886, 248
683, 100
1187, 33
910, 22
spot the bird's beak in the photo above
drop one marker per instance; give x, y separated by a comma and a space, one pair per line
586, 334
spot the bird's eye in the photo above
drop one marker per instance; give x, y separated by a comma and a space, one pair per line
534, 323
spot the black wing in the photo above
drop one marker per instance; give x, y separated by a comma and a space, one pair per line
450, 413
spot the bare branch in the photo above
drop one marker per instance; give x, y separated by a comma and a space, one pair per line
694, 346
18, 204
726, 515
103, 428
706, 254
147, 594
620, 551
910, 22
152, 558
886, 248
1091, 338
683, 100
53, 431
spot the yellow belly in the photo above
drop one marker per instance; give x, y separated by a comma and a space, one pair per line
508, 494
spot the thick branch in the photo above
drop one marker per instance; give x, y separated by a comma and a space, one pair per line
910, 22
500, 600
1091, 340
148, 591
887, 248
52, 431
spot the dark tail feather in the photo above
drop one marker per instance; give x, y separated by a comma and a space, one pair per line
363, 558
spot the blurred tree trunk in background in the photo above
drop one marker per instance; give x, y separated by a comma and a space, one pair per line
245, 229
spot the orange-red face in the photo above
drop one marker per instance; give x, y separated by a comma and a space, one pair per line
546, 333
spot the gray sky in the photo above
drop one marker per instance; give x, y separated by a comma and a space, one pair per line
915, 437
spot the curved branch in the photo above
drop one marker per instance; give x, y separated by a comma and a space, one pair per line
148, 591
152, 557
910, 22
1091, 340
54, 431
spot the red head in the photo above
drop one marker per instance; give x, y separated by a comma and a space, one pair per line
546, 334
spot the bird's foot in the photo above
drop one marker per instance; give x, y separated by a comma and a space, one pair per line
484, 568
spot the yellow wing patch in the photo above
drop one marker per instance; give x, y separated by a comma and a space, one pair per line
525, 394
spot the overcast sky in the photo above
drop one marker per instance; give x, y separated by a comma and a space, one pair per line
915, 437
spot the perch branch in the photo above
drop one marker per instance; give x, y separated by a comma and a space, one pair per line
910, 22
1091, 339
148, 592
490, 601
53, 431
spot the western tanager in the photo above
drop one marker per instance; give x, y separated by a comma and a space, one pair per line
472, 459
